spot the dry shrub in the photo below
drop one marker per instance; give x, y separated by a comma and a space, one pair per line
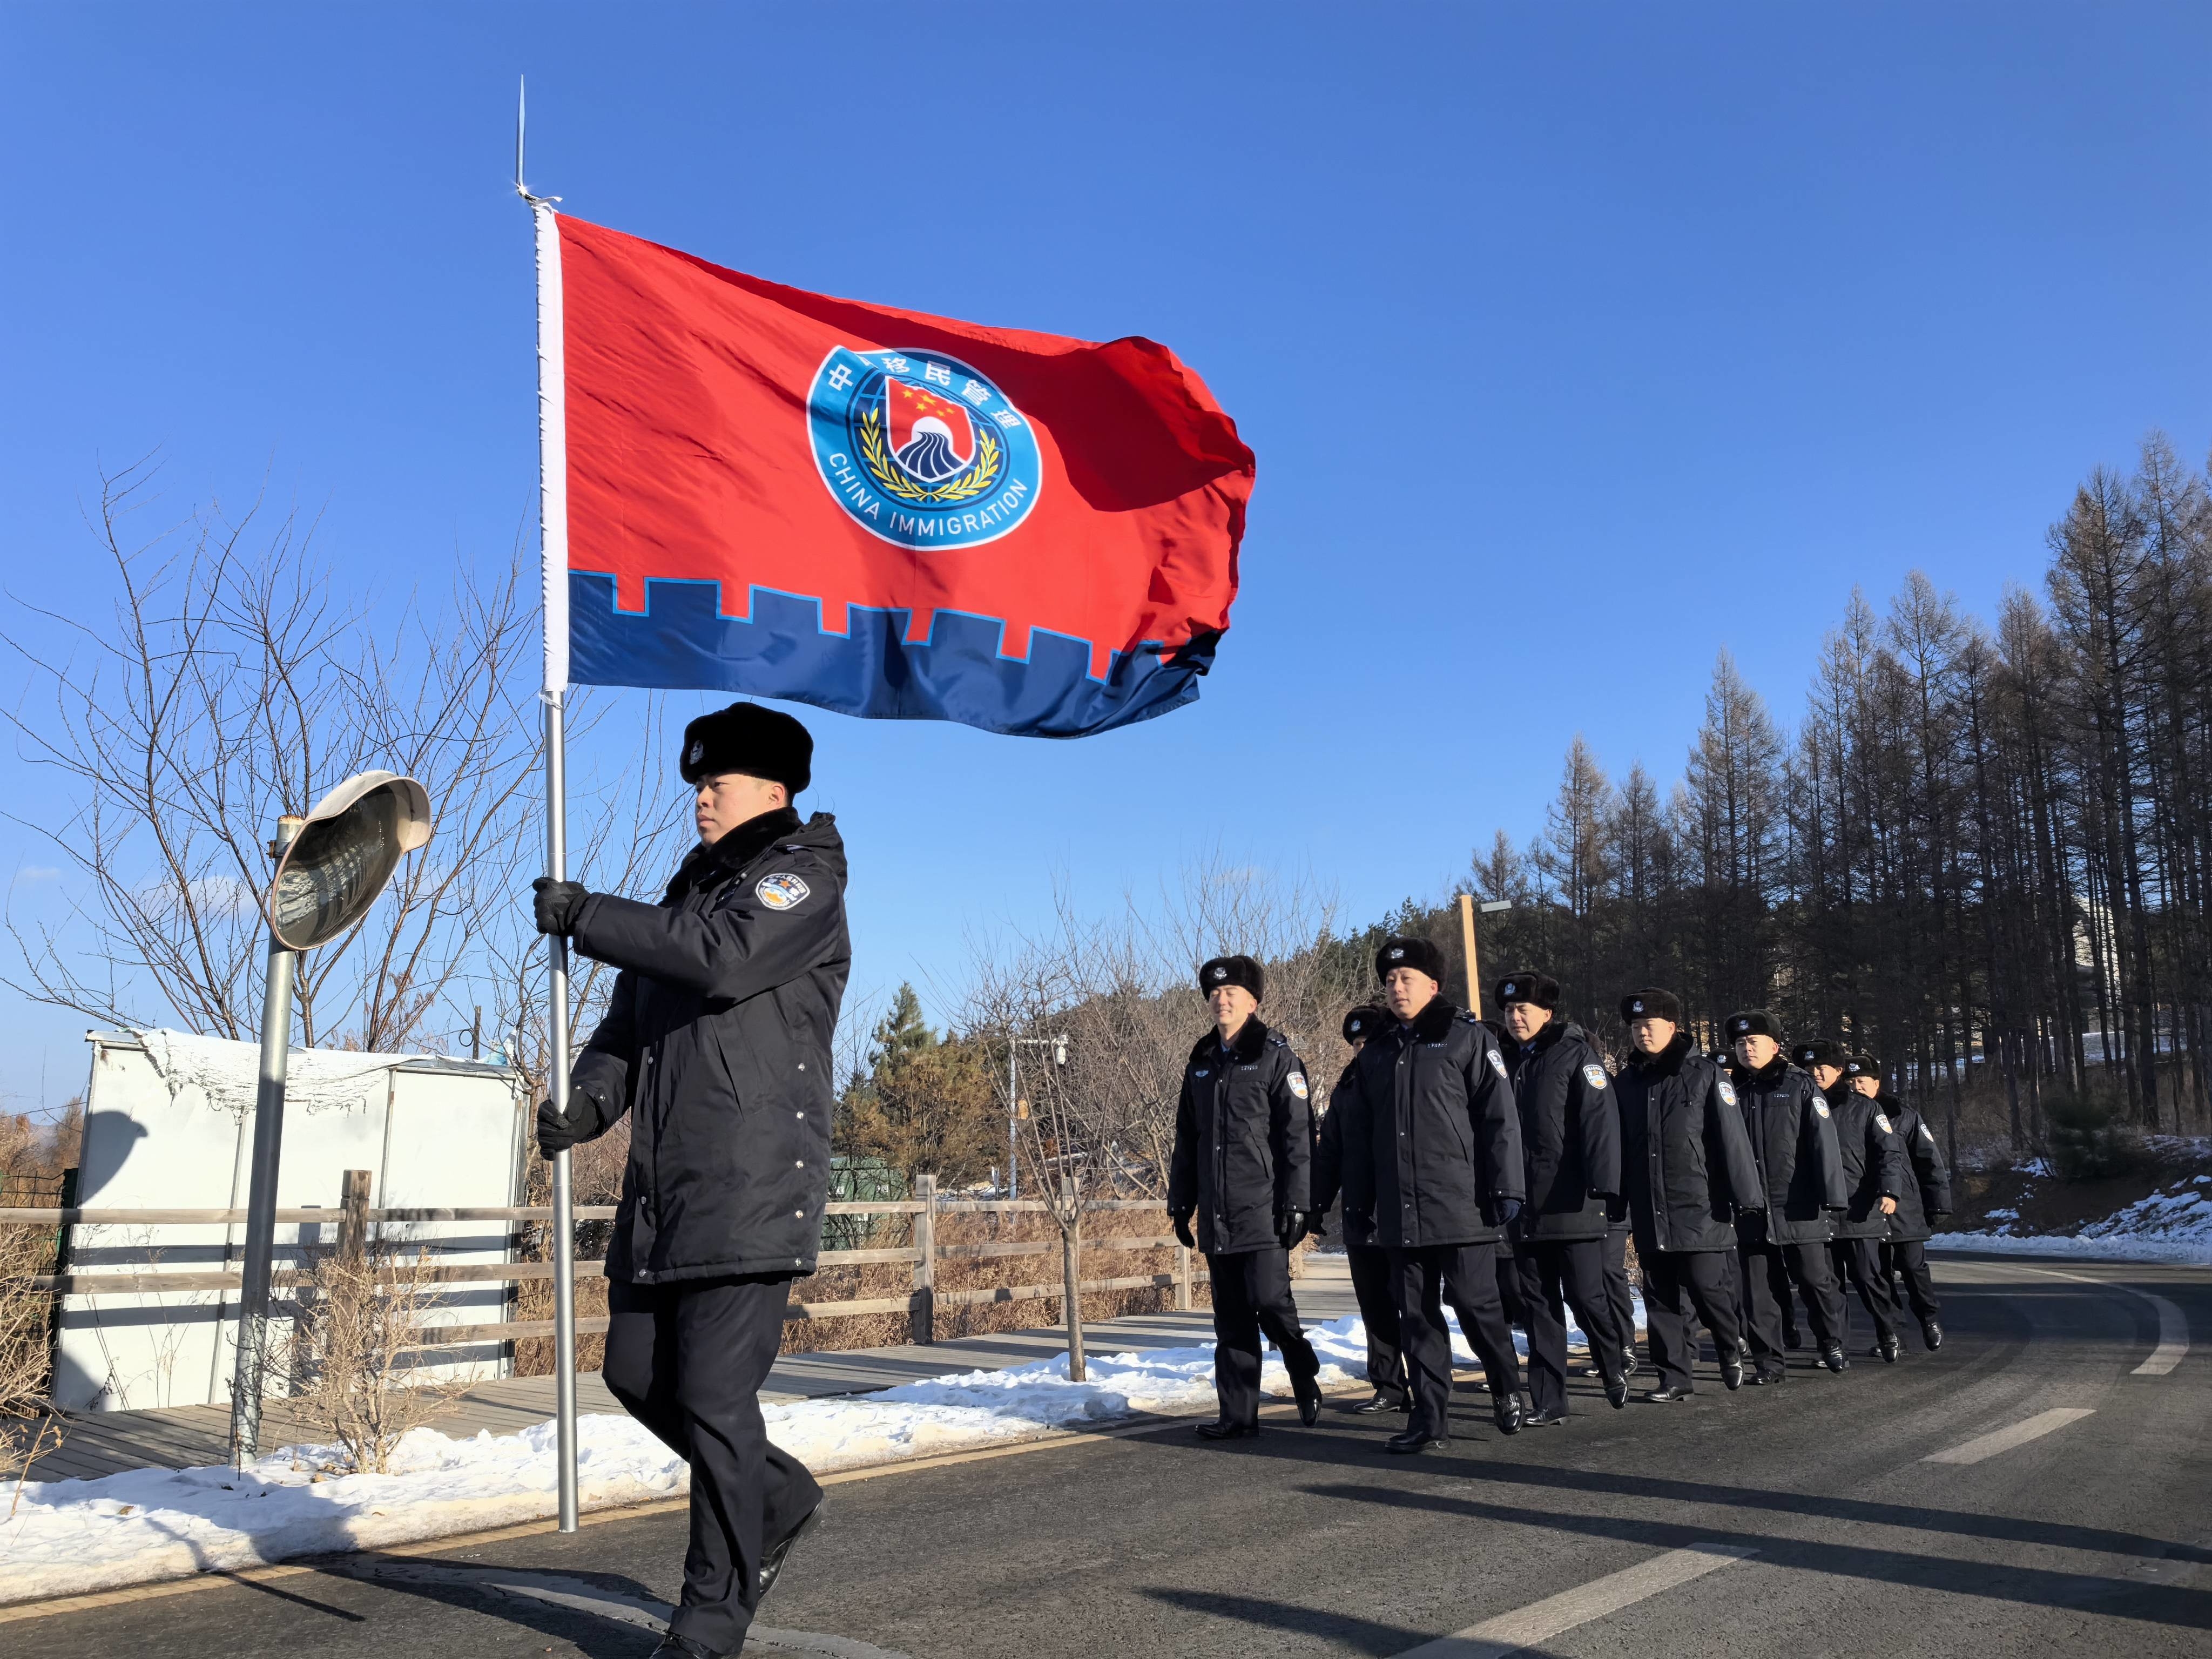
28, 1427
353, 1357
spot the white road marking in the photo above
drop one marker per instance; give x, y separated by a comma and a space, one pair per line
1541, 1621
2031, 1428
2173, 1324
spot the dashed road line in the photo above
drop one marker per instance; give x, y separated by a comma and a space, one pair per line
2019, 1434
1540, 1622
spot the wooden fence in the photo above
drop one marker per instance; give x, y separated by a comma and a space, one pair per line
354, 1217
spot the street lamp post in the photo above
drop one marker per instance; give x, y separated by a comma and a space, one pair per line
1467, 909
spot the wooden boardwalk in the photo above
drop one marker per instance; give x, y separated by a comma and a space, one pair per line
189, 1437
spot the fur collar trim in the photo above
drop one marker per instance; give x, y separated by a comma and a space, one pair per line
1765, 1077
1251, 1038
734, 851
1433, 1022
1668, 1062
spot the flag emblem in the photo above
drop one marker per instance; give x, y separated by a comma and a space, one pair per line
921, 449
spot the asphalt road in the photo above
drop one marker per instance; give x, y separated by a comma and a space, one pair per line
2041, 1485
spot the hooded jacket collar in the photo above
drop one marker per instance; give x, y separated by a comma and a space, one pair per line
1251, 1038
1667, 1062
734, 850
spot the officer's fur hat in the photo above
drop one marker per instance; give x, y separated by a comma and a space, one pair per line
1233, 970
1416, 953
1819, 1052
1753, 1021
1861, 1066
1365, 1022
1651, 1003
761, 743
1528, 986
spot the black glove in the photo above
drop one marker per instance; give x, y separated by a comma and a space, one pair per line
1181, 1219
1751, 1224
558, 903
1508, 1211
556, 1133
1315, 1228
1290, 1227
1358, 1221
1616, 1208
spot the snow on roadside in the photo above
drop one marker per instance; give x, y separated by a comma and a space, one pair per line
68, 1537
2174, 1224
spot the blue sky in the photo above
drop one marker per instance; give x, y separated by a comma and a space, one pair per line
1575, 345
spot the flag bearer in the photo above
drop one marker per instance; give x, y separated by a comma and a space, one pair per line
1570, 1139
1874, 1175
1243, 1153
1369, 1263
1689, 1175
1442, 1180
1922, 1199
1794, 1141
716, 1041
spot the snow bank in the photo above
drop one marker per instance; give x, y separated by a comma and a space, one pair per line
2174, 1224
68, 1537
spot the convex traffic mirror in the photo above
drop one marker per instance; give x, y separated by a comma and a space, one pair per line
343, 853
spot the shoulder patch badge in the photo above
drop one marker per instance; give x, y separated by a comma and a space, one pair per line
1203, 1071
1497, 1062
1297, 1081
1925, 1133
1821, 1107
1593, 1075
1881, 1122
1727, 1092
781, 891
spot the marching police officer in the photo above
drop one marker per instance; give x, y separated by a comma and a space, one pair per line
1244, 1150
1688, 1170
1874, 1174
1370, 1262
1570, 1139
716, 1041
1793, 1140
1442, 1180
1922, 1198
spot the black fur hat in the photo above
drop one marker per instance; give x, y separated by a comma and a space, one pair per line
1651, 1003
1232, 970
1863, 1066
1819, 1052
1416, 953
761, 743
1753, 1021
1365, 1022
1528, 986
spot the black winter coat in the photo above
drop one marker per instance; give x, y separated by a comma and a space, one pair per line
1569, 1133
1928, 1194
1794, 1139
717, 1041
1434, 1110
1329, 1154
1874, 1161
1684, 1157
1243, 1144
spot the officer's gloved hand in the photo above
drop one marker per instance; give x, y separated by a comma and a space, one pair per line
1358, 1221
558, 903
1290, 1227
1616, 1208
556, 1133
1508, 1211
1751, 1224
1181, 1219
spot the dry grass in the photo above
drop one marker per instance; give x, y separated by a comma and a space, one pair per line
28, 1427
352, 1361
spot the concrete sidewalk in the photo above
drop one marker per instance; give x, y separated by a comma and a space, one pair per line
185, 1436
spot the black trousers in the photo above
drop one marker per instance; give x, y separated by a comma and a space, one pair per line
1572, 1269
1675, 1282
687, 1360
1908, 1259
1371, 1284
1769, 1269
1617, 1290
1251, 1294
1859, 1261
1469, 1273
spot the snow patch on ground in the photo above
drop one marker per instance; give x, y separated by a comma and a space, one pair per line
69, 1537
2172, 1225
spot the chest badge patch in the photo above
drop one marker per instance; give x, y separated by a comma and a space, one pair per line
1595, 1076
781, 891
1297, 1081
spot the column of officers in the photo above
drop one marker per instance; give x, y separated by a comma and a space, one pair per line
1500, 1168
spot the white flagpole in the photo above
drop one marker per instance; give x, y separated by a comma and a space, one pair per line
553, 542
